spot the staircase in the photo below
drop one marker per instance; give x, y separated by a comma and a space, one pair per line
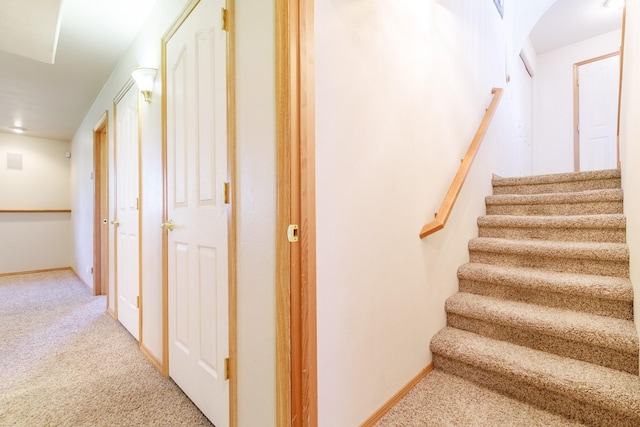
544, 311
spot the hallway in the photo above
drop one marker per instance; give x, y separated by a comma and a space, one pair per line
66, 362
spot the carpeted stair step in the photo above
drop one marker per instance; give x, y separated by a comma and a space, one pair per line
606, 259
558, 183
593, 202
602, 340
601, 295
577, 228
583, 391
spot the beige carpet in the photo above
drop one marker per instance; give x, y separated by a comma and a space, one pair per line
66, 362
545, 308
444, 400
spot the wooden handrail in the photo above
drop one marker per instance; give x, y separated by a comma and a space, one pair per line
450, 198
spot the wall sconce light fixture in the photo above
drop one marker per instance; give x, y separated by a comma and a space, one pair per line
145, 78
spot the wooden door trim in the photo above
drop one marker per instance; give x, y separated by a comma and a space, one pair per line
100, 238
576, 106
296, 337
232, 227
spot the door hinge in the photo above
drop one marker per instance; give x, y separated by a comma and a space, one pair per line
137, 203
292, 233
226, 368
225, 19
226, 193
138, 301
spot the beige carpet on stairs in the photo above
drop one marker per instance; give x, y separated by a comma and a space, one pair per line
542, 325
65, 362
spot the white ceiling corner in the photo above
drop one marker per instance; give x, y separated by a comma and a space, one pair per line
30, 28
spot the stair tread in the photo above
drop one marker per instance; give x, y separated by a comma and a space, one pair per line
604, 387
557, 178
576, 326
572, 250
608, 195
604, 287
613, 221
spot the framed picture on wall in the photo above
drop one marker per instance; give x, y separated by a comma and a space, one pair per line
500, 6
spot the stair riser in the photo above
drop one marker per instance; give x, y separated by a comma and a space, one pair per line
561, 187
589, 208
518, 388
587, 304
616, 235
554, 263
539, 341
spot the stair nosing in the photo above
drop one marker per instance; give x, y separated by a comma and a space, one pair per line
555, 322
598, 389
557, 178
598, 221
589, 196
539, 279
615, 252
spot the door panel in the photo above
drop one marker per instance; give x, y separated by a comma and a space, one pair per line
598, 109
127, 218
198, 244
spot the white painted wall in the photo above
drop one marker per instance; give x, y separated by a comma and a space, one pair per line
256, 180
553, 113
34, 241
629, 147
401, 88
43, 182
256, 167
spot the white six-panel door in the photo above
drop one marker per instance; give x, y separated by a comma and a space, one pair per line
197, 246
127, 219
598, 112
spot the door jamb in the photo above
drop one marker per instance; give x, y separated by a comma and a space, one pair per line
101, 207
296, 330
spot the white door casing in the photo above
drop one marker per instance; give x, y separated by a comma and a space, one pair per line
598, 83
127, 220
197, 249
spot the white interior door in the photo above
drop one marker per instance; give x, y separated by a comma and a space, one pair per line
197, 246
598, 112
127, 218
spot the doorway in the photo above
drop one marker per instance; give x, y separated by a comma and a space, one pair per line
596, 85
101, 209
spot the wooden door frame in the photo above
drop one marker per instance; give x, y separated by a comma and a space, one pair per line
296, 331
576, 109
101, 207
233, 209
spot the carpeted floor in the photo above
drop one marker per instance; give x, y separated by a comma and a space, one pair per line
66, 362
445, 400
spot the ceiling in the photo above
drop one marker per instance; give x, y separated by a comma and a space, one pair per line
571, 21
50, 100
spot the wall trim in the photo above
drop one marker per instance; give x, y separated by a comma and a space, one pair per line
44, 270
399, 395
154, 361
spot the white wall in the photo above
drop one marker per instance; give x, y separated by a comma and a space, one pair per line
256, 181
553, 118
256, 157
629, 147
43, 182
401, 88
34, 241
